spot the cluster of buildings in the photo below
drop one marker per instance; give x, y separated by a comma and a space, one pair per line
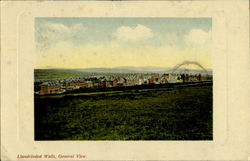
61, 86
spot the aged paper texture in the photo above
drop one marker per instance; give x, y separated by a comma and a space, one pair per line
230, 64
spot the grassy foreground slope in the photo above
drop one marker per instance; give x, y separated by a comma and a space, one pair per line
183, 113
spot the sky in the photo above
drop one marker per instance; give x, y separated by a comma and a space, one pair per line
71, 43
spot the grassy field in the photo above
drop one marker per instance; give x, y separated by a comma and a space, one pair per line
180, 113
56, 74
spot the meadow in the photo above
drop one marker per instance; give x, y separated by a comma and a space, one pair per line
178, 113
57, 74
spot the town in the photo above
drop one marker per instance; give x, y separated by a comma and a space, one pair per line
59, 86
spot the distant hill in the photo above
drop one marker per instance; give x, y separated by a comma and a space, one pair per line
128, 69
125, 70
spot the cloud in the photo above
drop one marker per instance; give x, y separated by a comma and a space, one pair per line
49, 33
138, 33
197, 37
56, 27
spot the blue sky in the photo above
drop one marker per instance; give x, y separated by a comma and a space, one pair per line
111, 35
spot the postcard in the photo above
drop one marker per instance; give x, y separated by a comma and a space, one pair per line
127, 80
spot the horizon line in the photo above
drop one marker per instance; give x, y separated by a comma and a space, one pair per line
120, 67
